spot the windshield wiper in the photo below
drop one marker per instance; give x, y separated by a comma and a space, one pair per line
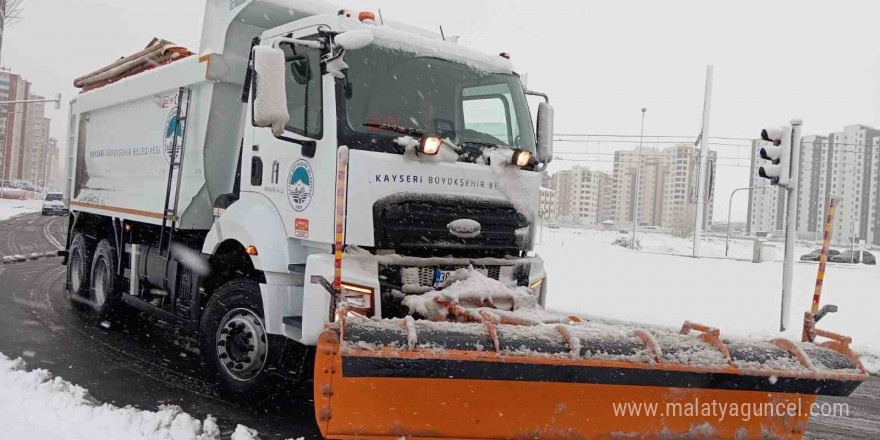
396, 129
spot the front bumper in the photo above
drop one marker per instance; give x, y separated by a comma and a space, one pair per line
55, 210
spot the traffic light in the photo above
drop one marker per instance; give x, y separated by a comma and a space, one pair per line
57, 101
779, 155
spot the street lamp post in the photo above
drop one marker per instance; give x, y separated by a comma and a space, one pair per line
730, 208
638, 182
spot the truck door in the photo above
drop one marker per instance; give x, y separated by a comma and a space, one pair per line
299, 180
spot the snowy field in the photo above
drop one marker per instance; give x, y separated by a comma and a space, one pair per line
589, 275
38, 406
10, 208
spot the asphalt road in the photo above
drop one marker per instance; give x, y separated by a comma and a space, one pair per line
140, 363
146, 365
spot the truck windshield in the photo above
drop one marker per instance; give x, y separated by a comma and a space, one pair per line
53, 197
404, 93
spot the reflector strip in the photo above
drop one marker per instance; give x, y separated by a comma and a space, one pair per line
341, 181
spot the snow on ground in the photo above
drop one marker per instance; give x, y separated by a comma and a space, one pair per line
39, 406
10, 208
739, 297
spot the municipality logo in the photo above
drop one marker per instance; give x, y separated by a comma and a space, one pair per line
173, 128
300, 185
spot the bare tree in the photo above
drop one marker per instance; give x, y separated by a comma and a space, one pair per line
10, 13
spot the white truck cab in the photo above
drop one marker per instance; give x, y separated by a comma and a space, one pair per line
309, 158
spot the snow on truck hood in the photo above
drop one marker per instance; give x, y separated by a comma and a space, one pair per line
395, 39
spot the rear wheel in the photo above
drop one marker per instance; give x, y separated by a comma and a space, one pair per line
234, 339
78, 269
103, 291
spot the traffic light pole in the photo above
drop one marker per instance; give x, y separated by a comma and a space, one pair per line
790, 222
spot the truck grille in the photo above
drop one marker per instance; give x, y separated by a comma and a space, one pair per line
416, 221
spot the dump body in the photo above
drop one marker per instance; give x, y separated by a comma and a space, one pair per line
125, 133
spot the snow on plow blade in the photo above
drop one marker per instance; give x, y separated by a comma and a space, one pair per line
433, 380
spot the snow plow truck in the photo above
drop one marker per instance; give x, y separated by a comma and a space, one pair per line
324, 194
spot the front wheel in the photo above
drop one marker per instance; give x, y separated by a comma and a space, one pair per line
234, 339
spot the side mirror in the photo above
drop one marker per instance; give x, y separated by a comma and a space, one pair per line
270, 94
544, 131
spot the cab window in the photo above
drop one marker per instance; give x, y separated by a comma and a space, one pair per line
304, 95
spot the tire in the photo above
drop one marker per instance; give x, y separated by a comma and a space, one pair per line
234, 340
103, 284
78, 270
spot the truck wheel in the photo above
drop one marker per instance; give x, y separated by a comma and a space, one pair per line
234, 339
104, 289
78, 269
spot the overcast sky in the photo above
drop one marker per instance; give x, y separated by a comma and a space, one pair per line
601, 62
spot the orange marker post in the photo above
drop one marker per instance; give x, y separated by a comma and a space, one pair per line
823, 258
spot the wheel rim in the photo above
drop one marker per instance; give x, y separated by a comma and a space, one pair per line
242, 344
75, 266
101, 278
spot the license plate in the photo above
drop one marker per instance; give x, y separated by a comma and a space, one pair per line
440, 276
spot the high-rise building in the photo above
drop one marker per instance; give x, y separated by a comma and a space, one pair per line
844, 165
13, 125
680, 203
653, 171
36, 142
606, 197
578, 194
24, 133
667, 187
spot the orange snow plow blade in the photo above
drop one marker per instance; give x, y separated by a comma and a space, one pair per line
441, 380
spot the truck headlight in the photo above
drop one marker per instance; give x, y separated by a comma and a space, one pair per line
429, 145
521, 158
357, 299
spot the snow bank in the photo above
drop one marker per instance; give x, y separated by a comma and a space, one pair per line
11, 208
590, 277
871, 362
39, 406
13, 193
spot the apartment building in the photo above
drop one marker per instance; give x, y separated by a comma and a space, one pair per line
24, 132
578, 194
36, 143
13, 125
667, 187
654, 168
